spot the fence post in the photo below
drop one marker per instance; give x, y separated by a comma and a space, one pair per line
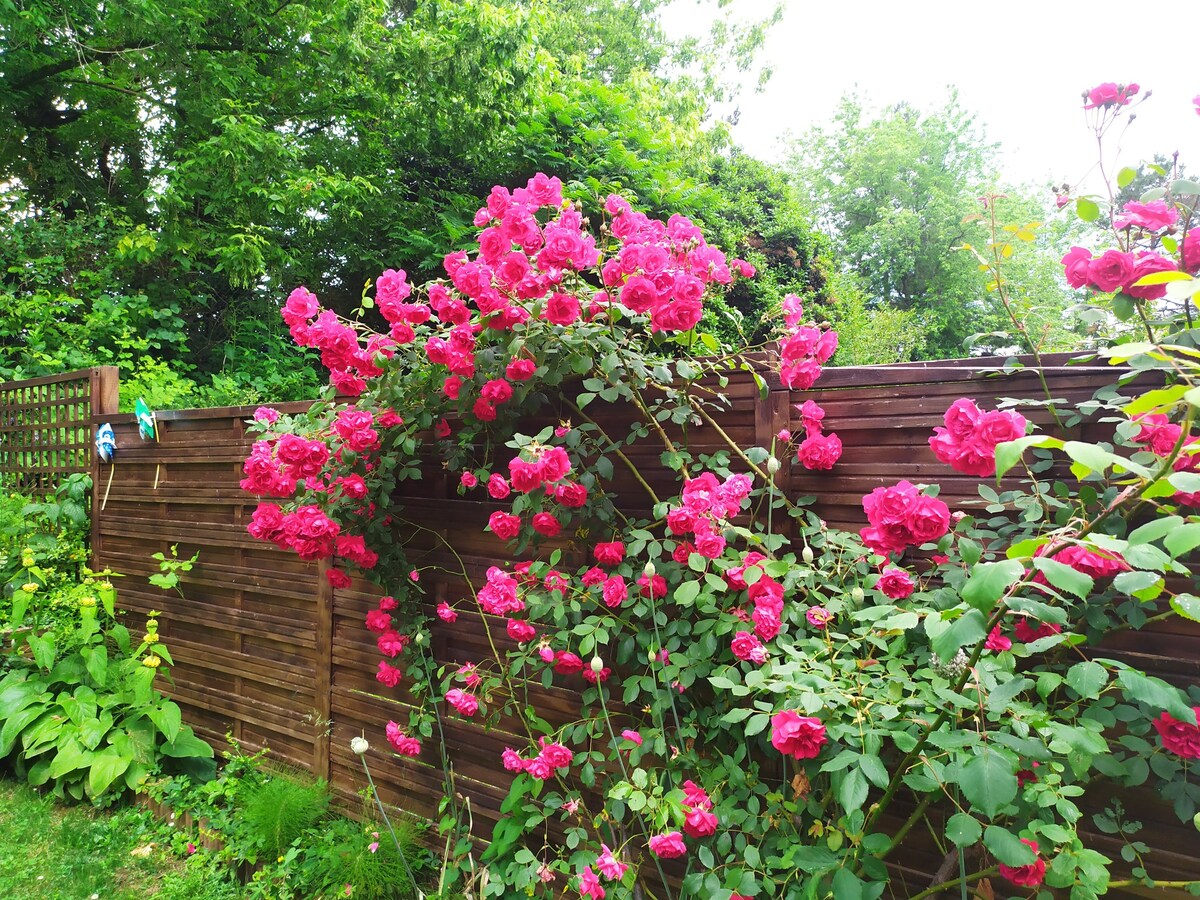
323, 674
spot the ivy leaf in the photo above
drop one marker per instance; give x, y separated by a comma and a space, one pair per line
988, 781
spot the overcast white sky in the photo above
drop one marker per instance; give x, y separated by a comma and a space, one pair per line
1020, 65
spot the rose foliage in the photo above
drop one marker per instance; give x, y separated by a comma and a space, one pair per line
770, 707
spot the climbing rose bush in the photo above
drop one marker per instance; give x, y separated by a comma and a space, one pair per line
769, 707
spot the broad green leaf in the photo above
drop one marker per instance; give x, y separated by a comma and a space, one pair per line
1007, 847
988, 781
965, 631
852, 792
1161, 278
1183, 539
70, 756
1087, 209
1064, 577
1186, 605
187, 744
989, 581
1087, 678
1155, 529
1156, 693
963, 830
167, 717
1126, 177
687, 592
107, 766
1010, 452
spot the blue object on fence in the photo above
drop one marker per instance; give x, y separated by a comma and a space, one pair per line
106, 442
147, 424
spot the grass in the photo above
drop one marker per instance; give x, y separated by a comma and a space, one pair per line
76, 852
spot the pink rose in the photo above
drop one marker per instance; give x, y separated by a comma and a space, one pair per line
1190, 251
521, 631
520, 369
630, 735
996, 641
819, 452
746, 647
610, 553
446, 613
466, 704
567, 663
401, 742
1076, 265
615, 591
798, 736
388, 674
1153, 216
896, 584
928, 519
1111, 270
561, 309
1179, 737
700, 823
667, 846
504, 525
497, 487
544, 523
609, 866
1148, 264
1026, 876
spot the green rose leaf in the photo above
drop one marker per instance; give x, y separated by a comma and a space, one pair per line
963, 830
989, 781
1007, 847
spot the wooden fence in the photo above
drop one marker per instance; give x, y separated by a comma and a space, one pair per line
266, 651
46, 426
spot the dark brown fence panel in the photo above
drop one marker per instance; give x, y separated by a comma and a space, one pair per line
266, 650
244, 633
46, 426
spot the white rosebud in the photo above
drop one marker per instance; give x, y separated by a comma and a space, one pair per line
857, 595
359, 745
597, 664
772, 465
420, 637
651, 657
649, 570
807, 555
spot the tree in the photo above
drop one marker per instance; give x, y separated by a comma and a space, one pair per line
892, 193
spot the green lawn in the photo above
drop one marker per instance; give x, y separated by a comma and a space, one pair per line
50, 850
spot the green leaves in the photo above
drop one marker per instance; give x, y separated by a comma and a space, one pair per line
963, 830
1087, 678
989, 581
965, 631
988, 781
1007, 847
1154, 692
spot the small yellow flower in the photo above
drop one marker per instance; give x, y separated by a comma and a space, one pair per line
87, 601
153, 662
29, 587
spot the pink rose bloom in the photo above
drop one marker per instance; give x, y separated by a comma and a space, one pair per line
1110, 94
446, 613
1179, 737
1026, 876
610, 553
391, 644
589, 884
521, 631
818, 616
378, 621
996, 641
609, 866
1029, 630
512, 760
1111, 270
700, 823
630, 735
401, 742
544, 523
572, 494
1190, 251
466, 704
667, 846
388, 675
1075, 264
567, 663
695, 796
1153, 216
468, 480
819, 452
497, 487
615, 591
746, 647
504, 525
266, 415
520, 369
561, 309
798, 736
1148, 264
1196, 103
895, 584
654, 587
593, 576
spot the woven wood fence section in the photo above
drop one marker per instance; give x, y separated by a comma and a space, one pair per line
267, 652
46, 426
